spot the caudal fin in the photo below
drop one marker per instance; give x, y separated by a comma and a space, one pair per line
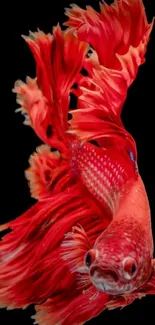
45, 100
119, 35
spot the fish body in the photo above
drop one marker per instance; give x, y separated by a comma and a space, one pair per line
111, 176
87, 241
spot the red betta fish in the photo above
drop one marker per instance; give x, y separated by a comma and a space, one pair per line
86, 244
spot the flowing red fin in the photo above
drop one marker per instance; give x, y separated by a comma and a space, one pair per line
125, 21
76, 310
45, 100
74, 247
48, 173
61, 57
109, 91
37, 112
105, 92
99, 106
107, 130
31, 265
40, 46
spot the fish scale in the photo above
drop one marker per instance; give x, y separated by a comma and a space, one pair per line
101, 171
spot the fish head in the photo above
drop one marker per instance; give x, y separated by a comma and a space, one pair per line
117, 265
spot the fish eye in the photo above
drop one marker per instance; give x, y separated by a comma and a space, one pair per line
89, 258
130, 268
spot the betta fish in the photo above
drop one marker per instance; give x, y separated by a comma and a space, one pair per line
86, 245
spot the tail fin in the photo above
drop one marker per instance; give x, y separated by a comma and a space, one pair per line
45, 100
45, 103
119, 29
119, 35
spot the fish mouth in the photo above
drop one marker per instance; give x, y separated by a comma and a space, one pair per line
104, 279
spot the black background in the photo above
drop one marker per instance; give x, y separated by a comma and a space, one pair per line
19, 141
